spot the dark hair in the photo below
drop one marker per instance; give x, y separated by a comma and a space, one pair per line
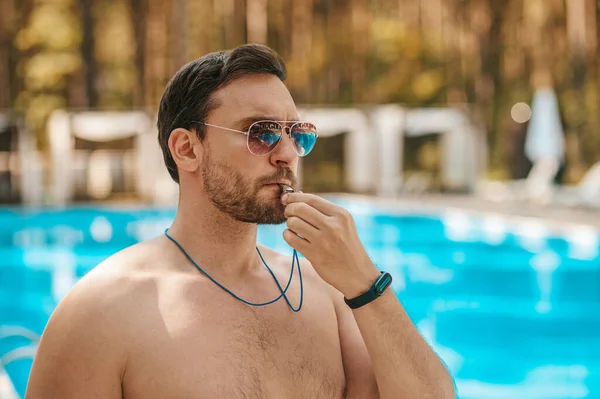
188, 95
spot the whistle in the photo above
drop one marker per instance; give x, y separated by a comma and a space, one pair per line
287, 189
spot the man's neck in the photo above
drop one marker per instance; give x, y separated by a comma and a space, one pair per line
215, 241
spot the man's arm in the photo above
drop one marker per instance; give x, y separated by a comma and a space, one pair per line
358, 367
80, 353
385, 356
403, 363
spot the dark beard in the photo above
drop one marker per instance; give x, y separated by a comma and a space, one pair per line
232, 193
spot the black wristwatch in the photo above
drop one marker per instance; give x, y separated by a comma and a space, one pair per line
376, 290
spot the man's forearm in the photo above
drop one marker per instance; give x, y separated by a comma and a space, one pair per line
404, 364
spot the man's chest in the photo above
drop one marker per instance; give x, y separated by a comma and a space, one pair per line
240, 352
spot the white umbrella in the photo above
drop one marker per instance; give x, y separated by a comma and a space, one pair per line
545, 137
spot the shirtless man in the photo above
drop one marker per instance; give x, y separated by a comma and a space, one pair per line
149, 323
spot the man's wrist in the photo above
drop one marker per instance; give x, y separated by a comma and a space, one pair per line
361, 284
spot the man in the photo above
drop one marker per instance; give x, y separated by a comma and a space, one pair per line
178, 317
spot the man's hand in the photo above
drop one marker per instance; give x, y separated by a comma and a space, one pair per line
326, 235
404, 364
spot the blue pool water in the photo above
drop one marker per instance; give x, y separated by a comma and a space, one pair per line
511, 306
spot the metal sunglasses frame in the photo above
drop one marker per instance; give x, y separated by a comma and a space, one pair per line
283, 124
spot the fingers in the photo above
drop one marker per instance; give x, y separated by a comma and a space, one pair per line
298, 243
302, 228
320, 204
306, 213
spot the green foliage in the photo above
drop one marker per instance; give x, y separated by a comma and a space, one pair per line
52, 26
482, 52
49, 43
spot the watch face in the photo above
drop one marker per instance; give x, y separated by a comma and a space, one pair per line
384, 281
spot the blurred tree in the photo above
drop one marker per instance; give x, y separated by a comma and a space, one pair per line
138, 13
256, 21
278, 25
87, 52
300, 54
361, 20
156, 51
201, 36
576, 33
487, 54
114, 54
177, 28
49, 41
9, 79
487, 21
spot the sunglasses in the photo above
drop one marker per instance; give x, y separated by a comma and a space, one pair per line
263, 136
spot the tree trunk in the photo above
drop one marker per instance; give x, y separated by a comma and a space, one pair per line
450, 29
230, 23
361, 20
410, 13
280, 24
575, 10
490, 83
87, 52
256, 21
239, 28
7, 33
137, 16
156, 50
468, 62
201, 35
301, 45
177, 29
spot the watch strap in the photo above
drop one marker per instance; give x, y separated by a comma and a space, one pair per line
376, 290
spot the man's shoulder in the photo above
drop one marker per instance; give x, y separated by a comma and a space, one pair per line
86, 343
118, 271
112, 290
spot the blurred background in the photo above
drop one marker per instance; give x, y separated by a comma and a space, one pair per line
463, 135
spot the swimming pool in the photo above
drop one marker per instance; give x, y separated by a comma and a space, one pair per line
511, 305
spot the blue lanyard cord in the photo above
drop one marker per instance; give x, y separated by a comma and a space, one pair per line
283, 291
294, 258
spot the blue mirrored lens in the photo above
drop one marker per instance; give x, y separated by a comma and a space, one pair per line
305, 137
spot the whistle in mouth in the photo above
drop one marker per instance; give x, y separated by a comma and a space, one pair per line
287, 189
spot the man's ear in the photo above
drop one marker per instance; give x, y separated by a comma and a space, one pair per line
186, 154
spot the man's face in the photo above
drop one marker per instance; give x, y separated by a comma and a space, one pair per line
236, 181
